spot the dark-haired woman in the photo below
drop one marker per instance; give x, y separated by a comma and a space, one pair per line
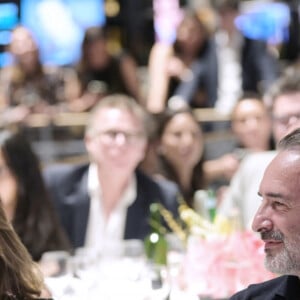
25, 199
180, 149
101, 72
185, 71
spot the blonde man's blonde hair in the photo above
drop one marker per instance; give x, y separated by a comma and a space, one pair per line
122, 102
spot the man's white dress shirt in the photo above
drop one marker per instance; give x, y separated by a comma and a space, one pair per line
102, 233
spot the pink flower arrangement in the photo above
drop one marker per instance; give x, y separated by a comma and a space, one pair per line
219, 258
219, 265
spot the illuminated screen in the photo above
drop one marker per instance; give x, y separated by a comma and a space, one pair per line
266, 21
8, 20
8, 15
59, 25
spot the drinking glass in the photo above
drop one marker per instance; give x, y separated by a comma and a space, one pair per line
55, 263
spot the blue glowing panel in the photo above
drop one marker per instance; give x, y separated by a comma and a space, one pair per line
8, 15
59, 25
267, 21
9, 18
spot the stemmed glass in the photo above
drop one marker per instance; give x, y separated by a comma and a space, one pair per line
59, 276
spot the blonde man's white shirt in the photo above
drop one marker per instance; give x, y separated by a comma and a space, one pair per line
103, 233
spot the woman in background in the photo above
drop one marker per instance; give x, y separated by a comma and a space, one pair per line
19, 277
251, 124
251, 129
24, 197
27, 85
180, 151
101, 72
183, 73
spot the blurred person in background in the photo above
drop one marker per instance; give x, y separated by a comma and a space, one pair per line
20, 277
183, 73
107, 200
250, 124
101, 72
209, 69
25, 199
284, 100
180, 151
244, 64
27, 85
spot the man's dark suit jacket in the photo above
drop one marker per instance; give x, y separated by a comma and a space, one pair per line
280, 288
259, 70
67, 185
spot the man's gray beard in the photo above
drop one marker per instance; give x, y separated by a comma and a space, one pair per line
287, 261
280, 263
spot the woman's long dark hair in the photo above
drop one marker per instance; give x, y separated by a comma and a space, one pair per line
19, 276
35, 220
